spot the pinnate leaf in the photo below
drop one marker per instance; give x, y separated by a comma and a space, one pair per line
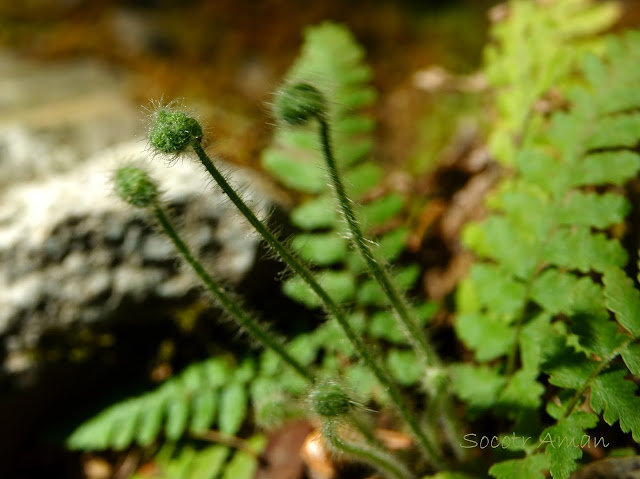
623, 299
616, 397
563, 440
530, 467
233, 408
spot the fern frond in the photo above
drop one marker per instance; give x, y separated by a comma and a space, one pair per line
534, 296
331, 60
531, 467
521, 66
213, 462
205, 394
563, 441
616, 398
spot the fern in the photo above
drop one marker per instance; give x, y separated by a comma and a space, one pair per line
547, 310
332, 60
524, 67
213, 462
217, 393
534, 302
206, 394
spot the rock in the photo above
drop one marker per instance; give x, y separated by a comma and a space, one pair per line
612, 468
71, 253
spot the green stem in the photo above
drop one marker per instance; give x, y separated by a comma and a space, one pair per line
414, 332
377, 458
330, 305
594, 374
251, 325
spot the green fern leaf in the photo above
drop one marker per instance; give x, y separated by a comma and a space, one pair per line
598, 335
497, 239
204, 406
243, 465
362, 178
522, 391
606, 168
538, 340
404, 366
304, 348
593, 210
383, 325
370, 292
569, 369
151, 421
381, 210
561, 292
177, 417
123, 430
488, 336
615, 132
477, 386
212, 462
209, 463
233, 408
322, 249
623, 299
497, 290
631, 357
295, 174
614, 395
530, 467
340, 285
563, 442
577, 248
316, 213
186, 401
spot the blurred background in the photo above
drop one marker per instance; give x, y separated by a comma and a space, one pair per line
92, 306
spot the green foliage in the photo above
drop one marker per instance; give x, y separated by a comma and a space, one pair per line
208, 394
332, 61
213, 462
523, 66
547, 310
533, 301
530, 467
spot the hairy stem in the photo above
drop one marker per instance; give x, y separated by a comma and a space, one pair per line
229, 304
330, 305
594, 374
379, 459
414, 332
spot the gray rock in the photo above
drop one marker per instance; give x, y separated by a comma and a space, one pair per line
71, 253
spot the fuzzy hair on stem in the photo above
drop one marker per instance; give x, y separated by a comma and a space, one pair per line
379, 370
134, 185
336, 436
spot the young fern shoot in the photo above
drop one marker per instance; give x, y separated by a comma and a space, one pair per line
172, 133
296, 105
135, 186
333, 406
